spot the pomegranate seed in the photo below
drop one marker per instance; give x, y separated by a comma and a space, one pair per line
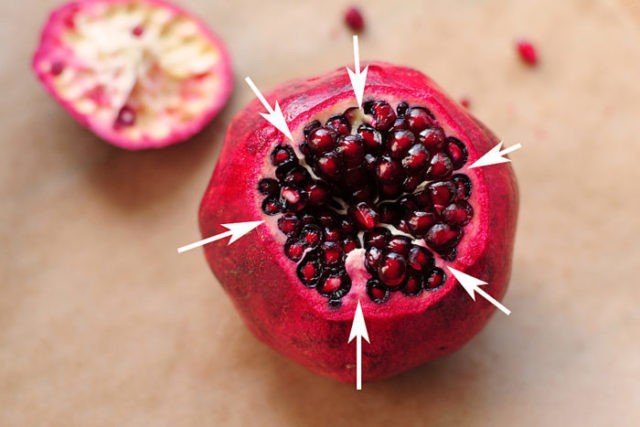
457, 152
57, 67
440, 166
335, 285
339, 124
351, 149
271, 206
294, 249
465, 102
376, 291
371, 137
326, 218
311, 235
402, 108
137, 31
432, 139
289, 224
383, 115
364, 215
442, 236
458, 214
399, 124
441, 192
400, 245
332, 234
400, 143
297, 177
311, 126
416, 159
411, 183
391, 191
418, 119
376, 237
365, 194
321, 140
349, 244
392, 269
436, 279
390, 213
346, 225
423, 199
527, 51
412, 286
332, 253
330, 165
281, 155
269, 187
126, 117
463, 187
419, 258
389, 171
354, 20
372, 258
290, 195
309, 271
318, 193
419, 222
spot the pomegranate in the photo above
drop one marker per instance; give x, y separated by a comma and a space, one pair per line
528, 52
138, 73
368, 205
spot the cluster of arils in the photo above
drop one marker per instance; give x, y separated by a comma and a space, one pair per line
388, 173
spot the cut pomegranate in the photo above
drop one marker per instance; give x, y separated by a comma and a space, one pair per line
366, 205
138, 73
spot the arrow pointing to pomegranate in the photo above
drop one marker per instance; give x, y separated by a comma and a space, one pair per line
472, 285
358, 331
236, 231
494, 156
357, 78
274, 116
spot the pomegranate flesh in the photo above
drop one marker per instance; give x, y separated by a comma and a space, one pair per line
368, 205
138, 73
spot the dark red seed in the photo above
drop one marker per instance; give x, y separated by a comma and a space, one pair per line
403, 226
411, 183
347, 227
423, 199
335, 285
458, 214
408, 203
309, 270
364, 215
271, 206
390, 213
326, 218
418, 119
399, 124
392, 269
351, 149
400, 245
321, 140
416, 159
318, 193
307, 218
365, 194
457, 152
290, 195
376, 237
294, 249
462, 185
376, 291
126, 117
339, 124
372, 258
419, 258
269, 187
400, 142
350, 243
311, 126
383, 115
391, 190
402, 108
372, 138
330, 166
332, 253
311, 235
298, 176
332, 234
389, 171
282, 154
356, 177
137, 31
370, 162
441, 192
436, 279
432, 139
440, 166
354, 19
289, 224
420, 222
528, 52
57, 67
413, 285
442, 236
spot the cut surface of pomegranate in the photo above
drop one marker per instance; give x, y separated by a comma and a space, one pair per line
138, 73
368, 205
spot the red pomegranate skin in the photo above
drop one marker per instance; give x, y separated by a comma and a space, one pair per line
298, 322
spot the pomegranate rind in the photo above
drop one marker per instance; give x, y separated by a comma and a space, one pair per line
405, 331
52, 47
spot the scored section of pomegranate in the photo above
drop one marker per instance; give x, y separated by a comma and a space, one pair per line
379, 181
139, 73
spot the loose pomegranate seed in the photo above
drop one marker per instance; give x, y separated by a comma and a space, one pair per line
137, 31
392, 269
354, 20
377, 292
527, 51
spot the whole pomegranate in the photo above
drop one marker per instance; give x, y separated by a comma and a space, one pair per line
366, 205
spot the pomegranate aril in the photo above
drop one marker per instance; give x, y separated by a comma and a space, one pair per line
290, 196
389, 171
307, 218
458, 214
321, 140
390, 213
330, 165
356, 178
332, 234
269, 187
383, 115
311, 126
309, 270
527, 51
408, 203
376, 237
435, 279
402, 108
372, 138
281, 155
400, 245
423, 199
399, 124
372, 258
326, 218
335, 285
399, 143
462, 185
332, 253
311, 235
411, 183
297, 176
364, 215
420, 222
271, 206
432, 139
420, 258
392, 269
289, 224
347, 226
354, 19
441, 192
318, 193
365, 194
294, 249
350, 243
339, 124
351, 149
403, 226
370, 162
440, 166
416, 159
413, 285
391, 191
457, 152
442, 236
126, 117
418, 119
376, 291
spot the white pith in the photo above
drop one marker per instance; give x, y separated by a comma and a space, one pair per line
165, 74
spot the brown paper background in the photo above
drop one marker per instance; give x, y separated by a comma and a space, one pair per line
103, 324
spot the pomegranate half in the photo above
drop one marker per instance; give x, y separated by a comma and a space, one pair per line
368, 205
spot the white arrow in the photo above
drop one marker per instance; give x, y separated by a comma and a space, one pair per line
236, 231
357, 78
274, 116
494, 156
472, 285
358, 331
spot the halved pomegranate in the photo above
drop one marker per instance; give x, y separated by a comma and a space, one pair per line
138, 73
368, 205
